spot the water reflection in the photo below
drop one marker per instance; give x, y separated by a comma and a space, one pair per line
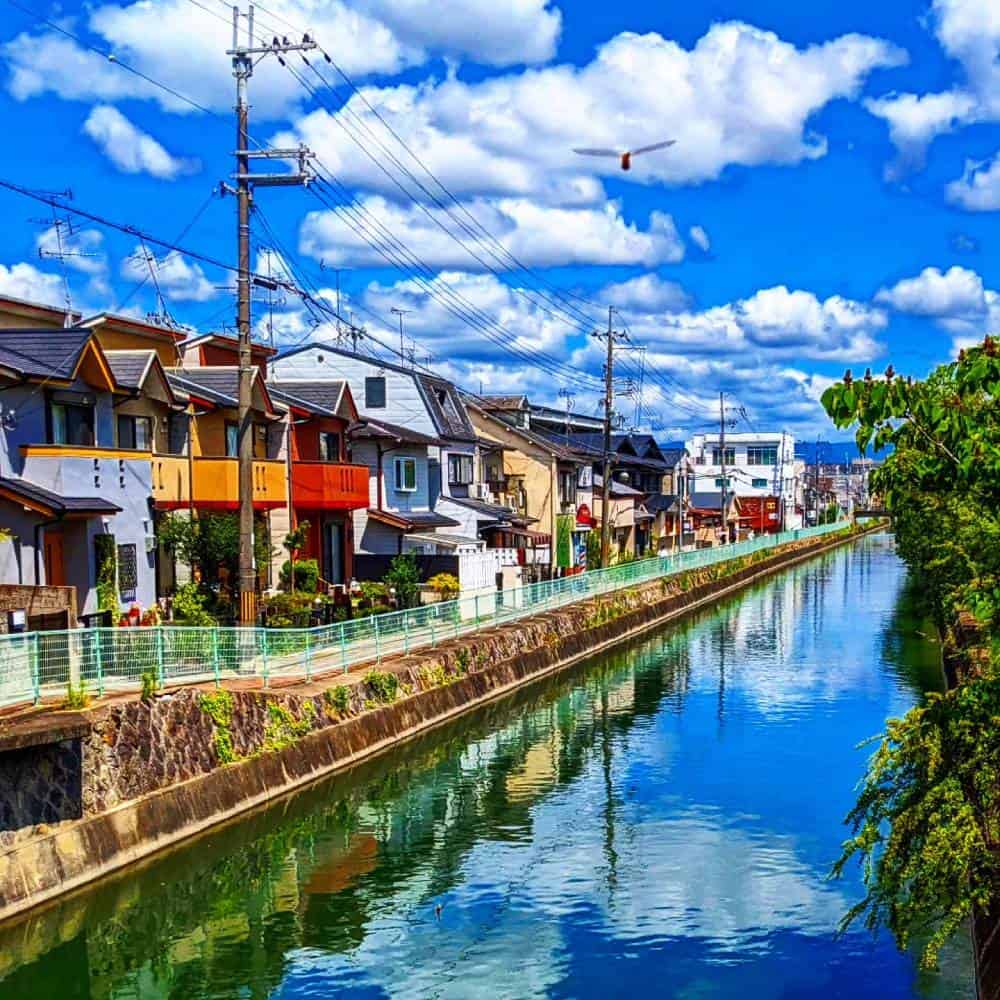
660, 821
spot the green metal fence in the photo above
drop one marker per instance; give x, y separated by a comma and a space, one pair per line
36, 665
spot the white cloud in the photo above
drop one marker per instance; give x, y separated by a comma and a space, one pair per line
969, 32
739, 96
130, 149
25, 281
699, 237
535, 235
978, 189
955, 292
647, 293
184, 47
179, 280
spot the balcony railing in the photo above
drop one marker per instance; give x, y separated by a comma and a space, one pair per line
330, 486
216, 483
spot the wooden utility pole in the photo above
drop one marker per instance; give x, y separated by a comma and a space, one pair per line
609, 401
244, 58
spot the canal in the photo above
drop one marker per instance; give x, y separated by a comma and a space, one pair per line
656, 822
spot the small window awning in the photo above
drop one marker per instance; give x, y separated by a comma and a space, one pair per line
446, 541
534, 537
407, 521
49, 504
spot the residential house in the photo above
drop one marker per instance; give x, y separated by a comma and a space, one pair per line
20, 314
547, 485
628, 519
761, 469
414, 433
75, 495
324, 486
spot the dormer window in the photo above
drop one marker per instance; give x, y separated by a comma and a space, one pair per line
71, 418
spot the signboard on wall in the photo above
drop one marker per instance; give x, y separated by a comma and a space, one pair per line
585, 477
564, 540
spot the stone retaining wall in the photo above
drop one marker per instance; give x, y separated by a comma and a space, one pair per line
158, 771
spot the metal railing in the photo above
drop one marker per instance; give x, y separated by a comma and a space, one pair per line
39, 665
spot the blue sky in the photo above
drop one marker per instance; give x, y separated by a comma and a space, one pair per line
829, 202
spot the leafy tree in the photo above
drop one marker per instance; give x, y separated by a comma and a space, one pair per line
404, 576
927, 820
211, 541
296, 539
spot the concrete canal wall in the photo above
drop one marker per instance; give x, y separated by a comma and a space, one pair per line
83, 794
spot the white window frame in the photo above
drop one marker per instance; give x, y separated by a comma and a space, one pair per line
399, 464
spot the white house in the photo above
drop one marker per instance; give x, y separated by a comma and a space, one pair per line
758, 467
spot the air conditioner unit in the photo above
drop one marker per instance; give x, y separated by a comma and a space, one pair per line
150, 541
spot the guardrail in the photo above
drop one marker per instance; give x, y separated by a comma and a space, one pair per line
39, 665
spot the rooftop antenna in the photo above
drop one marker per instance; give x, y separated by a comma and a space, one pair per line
63, 230
161, 316
570, 398
400, 313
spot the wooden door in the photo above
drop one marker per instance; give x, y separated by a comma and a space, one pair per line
55, 565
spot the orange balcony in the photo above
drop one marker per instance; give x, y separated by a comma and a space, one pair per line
329, 486
216, 483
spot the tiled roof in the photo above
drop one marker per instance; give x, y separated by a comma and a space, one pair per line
446, 408
322, 397
181, 383
369, 428
40, 497
671, 456
219, 384
710, 500
43, 353
503, 402
411, 520
129, 367
617, 489
661, 501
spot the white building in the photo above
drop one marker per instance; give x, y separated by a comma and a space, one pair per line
757, 466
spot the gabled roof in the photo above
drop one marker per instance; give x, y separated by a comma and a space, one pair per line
49, 354
50, 504
671, 456
617, 489
133, 370
133, 323
410, 520
503, 402
228, 342
325, 399
368, 427
35, 310
496, 512
446, 408
217, 384
539, 439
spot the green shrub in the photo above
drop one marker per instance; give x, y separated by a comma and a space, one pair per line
290, 610
282, 728
433, 675
218, 706
306, 575
189, 606
373, 593
383, 686
338, 698
462, 659
150, 684
446, 585
404, 577
77, 697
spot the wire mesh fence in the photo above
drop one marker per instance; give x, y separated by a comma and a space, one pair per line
37, 665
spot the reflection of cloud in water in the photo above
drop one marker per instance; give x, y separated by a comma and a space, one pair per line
689, 876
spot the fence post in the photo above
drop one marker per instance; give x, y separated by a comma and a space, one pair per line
496, 608
406, 633
215, 657
458, 613
36, 668
378, 648
263, 651
159, 656
477, 612
432, 631
308, 656
100, 663
343, 648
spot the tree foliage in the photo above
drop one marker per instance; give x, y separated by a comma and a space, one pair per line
926, 821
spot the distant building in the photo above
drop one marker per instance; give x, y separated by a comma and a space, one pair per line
760, 469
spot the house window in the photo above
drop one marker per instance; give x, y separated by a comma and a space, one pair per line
717, 457
567, 487
760, 484
459, 470
232, 439
720, 482
375, 392
71, 418
128, 572
762, 455
135, 433
260, 439
329, 446
406, 475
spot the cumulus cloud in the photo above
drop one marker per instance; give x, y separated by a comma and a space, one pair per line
536, 235
25, 281
81, 249
647, 293
978, 189
184, 47
739, 96
179, 279
699, 237
969, 32
130, 149
955, 292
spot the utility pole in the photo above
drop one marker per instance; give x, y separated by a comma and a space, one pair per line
400, 313
245, 57
609, 401
724, 502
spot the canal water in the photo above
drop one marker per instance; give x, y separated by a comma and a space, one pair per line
657, 822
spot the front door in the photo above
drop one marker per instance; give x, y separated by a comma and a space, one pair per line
55, 564
333, 552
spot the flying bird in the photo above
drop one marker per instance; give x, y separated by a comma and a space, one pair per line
625, 155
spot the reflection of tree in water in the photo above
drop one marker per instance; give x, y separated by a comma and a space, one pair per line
908, 645
220, 917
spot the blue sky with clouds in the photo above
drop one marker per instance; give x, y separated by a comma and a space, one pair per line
829, 203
